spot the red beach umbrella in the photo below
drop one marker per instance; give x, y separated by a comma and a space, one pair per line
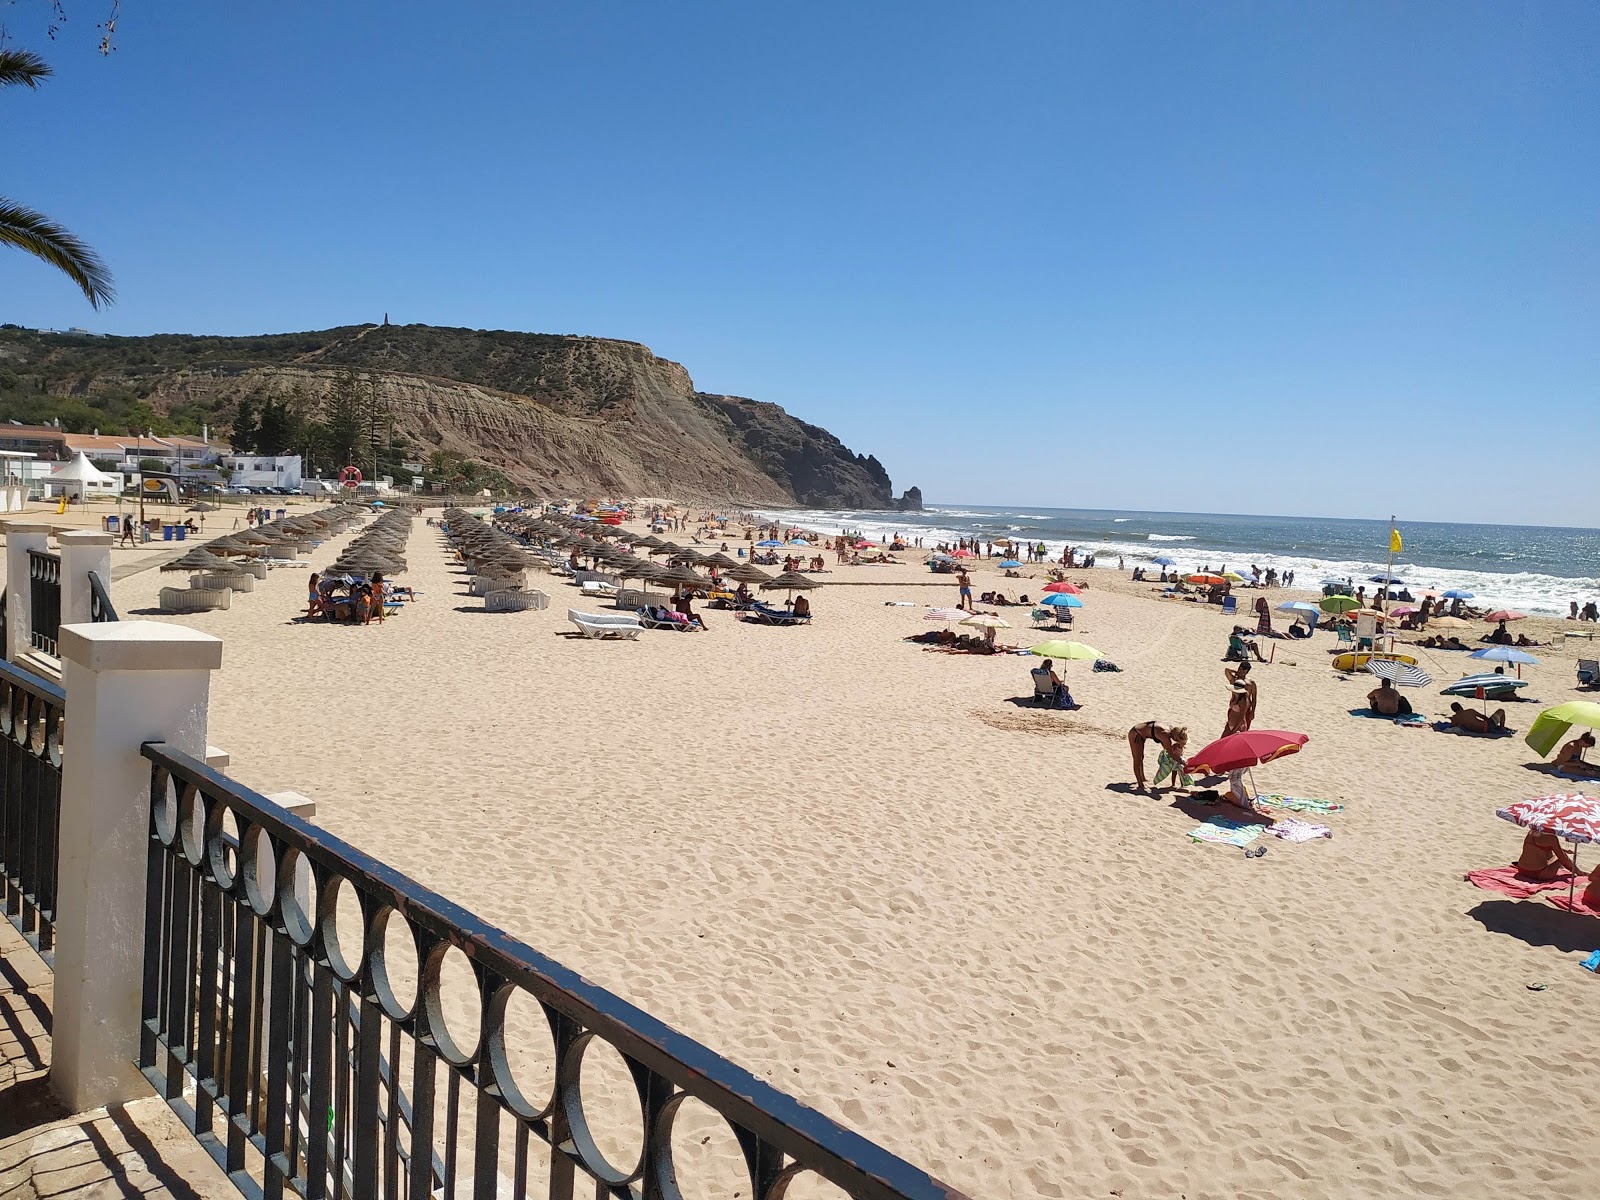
1205, 580
1063, 586
962, 554
1570, 815
1506, 614
1250, 748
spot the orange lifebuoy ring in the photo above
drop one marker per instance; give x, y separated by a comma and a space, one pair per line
350, 476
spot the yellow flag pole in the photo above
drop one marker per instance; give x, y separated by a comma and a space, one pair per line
1388, 570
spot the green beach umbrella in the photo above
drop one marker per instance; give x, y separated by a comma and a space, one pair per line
1059, 648
1552, 724
1339, 605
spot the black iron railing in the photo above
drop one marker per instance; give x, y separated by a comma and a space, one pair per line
100, 609
32, 726
44, 590
284, 1022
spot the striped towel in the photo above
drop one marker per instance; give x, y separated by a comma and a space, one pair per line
1167, 766
1225, 832
1298, 803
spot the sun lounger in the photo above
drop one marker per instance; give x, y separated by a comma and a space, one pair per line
774, 616
598, 587
606, 625
665, 618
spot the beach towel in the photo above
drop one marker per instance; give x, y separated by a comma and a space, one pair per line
1446, 727
1224, 831
1507, 882
1169, 767
1416, 720
1298, 804
1574, 905
1293, 829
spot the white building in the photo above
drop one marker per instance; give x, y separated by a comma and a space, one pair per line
262, 470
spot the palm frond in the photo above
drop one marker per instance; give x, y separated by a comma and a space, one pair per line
24, 67
43, 238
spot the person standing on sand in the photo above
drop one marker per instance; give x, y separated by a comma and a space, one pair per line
964, 581
1242, 702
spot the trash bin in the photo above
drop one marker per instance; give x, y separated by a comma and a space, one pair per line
183, 532
166, 533
113, 524
282, 512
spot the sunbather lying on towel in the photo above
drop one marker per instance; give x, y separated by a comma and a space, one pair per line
1542, 857
1474, 721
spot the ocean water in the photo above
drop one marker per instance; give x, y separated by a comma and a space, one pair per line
1532, 569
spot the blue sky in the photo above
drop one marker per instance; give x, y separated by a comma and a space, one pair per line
1217, 257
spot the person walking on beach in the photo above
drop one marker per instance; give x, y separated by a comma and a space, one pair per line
964, 581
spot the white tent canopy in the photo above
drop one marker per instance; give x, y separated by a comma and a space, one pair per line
78, 474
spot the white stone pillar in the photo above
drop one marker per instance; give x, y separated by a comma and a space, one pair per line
81, 552
127, 682
20, 538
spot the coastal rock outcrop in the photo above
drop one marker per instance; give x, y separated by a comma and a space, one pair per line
560, 414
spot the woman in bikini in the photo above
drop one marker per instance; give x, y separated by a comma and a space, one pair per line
1171, 741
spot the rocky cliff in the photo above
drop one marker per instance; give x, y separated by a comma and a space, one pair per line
568, 415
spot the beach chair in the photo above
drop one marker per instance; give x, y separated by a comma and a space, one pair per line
606, 625
1589, 673
1230, 605
1044, 616
1043, 688
665, 618
1346, 638
776, 616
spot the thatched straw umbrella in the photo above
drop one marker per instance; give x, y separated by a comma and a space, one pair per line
792, 582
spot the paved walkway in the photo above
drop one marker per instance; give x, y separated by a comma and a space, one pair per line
134, 1150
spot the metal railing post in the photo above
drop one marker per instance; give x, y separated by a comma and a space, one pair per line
126, 683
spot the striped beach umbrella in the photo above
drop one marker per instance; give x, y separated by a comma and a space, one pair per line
1490, 683
1399, 673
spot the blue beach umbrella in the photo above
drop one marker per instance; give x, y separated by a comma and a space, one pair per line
1061, 600
1504, 654
1457, 594
1161, 560
1389, 579
769, 543
1010, 564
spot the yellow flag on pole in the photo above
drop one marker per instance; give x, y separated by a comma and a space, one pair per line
1395, 544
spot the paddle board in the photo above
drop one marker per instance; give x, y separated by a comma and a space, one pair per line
1351, 661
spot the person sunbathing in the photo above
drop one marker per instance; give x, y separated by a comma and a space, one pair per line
1474, 721
1387, 701
1500, 637
1542, 857
1570, 757
1524, 640
1172, 742
802, 607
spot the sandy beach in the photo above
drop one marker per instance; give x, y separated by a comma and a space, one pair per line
864, 871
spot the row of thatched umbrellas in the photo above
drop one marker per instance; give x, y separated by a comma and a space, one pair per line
588, 539
285, 535
379, 548
487, 550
